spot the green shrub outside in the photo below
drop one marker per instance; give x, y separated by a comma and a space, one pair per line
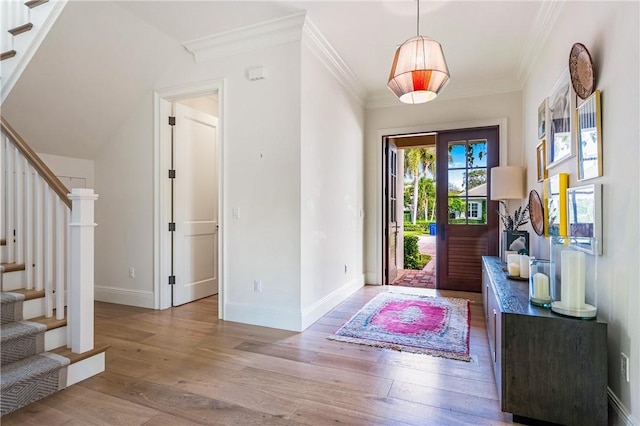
412, 257
411, 252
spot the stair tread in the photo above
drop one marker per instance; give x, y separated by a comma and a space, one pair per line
12, 267
42, 359
98, 347
7, 55
15, 329
29, 294
21, 29
34, 3
50, 322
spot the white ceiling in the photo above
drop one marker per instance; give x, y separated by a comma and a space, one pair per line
89, 74
486, 43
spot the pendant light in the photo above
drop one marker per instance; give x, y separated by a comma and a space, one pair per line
419, 70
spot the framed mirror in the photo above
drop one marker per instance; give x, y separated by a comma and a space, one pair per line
585, 217
589, 118
559, 128
540, 160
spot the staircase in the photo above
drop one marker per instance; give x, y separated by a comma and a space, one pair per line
46, 278
23, 27
28, 372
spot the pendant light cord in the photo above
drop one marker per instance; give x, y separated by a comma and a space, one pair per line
418, 20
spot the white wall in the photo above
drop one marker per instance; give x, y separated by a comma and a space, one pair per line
612, 37
261, 163
331, 190
67, 167
435, 115
124, 212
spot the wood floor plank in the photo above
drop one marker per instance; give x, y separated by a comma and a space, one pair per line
96, 408
193, 407
38, 414
455, 401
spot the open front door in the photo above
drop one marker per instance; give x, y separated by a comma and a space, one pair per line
195, 205
467, 222
391, 211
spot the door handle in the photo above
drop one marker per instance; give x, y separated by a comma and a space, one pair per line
441, 232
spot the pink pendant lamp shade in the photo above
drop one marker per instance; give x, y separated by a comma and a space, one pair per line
419, 71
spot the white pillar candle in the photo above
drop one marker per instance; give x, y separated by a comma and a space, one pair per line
572, 277
524, 266
513, 258
506, 255
541, 286
514, 269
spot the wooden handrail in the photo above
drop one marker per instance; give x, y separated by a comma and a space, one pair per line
36, 162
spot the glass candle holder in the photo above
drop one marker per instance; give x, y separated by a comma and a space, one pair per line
541, 291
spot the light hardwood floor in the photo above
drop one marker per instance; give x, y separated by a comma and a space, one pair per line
182, 366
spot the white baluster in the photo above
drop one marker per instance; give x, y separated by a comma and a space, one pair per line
11, 255
48, 250
82, 269
39, 239
29, 239
60, 257
3, 191
19, 194
67, 221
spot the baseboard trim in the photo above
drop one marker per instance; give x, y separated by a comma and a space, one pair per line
265, 317
620, 410
121, 296
330, 301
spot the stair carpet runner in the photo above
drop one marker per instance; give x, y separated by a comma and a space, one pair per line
28, 373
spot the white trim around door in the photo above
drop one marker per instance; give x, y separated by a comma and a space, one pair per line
161, 165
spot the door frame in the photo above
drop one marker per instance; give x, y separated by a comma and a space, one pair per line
162, 99
377, 277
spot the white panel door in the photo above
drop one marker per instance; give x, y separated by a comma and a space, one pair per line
195, 205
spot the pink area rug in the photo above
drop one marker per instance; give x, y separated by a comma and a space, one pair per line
437, 326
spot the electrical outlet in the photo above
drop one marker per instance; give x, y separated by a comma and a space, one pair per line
257, 286
624, 366
132, 272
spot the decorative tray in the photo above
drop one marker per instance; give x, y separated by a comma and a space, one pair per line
513, 277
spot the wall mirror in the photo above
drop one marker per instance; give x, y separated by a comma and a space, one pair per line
588, 117
585, 217
560, 131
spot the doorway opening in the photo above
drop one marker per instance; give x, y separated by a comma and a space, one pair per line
446, 171
188, 195
415, 232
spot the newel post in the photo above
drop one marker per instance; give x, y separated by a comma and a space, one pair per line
80, 296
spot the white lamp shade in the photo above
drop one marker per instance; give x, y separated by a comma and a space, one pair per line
507, 183
419, 71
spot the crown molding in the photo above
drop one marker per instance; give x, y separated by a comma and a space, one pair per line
252, 37
324, 51
537, 37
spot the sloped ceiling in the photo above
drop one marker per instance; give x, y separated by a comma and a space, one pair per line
101, 57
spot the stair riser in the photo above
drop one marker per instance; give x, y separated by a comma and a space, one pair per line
86, 368
33, 308
13, 280
55, 338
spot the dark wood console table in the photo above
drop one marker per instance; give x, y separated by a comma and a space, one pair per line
547, 367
